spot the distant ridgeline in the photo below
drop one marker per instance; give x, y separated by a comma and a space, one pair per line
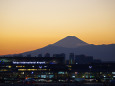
72, 44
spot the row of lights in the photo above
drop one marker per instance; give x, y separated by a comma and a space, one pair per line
29, 62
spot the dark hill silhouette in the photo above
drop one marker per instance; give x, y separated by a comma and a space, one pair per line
75, 45
72, 44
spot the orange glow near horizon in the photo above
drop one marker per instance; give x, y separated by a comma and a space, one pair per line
27, 25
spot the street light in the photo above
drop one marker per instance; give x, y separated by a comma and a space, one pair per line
90, 67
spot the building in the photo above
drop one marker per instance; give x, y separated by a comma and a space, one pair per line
82, 59
39, 55
71, 58
59, 55
51, 69
47, 55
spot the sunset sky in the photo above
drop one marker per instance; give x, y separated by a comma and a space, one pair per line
27, 25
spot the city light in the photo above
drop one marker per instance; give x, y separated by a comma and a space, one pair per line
22, 72
76, 72
18, 66
28, 62
32, 72
73, 76
9, 66
90, 67
40, 67
31, 69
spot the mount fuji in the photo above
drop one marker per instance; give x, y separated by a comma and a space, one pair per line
72, 44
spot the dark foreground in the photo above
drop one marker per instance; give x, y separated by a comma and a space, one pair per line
58, 84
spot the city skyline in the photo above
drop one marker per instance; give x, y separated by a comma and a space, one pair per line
32, 24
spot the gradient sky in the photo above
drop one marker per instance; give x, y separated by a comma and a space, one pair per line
27, 25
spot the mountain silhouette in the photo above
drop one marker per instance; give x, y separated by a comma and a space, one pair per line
72, 44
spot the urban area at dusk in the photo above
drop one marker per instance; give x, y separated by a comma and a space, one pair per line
57, 42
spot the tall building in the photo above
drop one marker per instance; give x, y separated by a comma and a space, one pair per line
82, 59
89, 59
39, 55
66, 61
71, 58
47, 55
59, 55
97, 61
29, 55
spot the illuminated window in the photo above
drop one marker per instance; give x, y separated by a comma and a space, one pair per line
113, 72
3, 70
22, 69
73, 76
9, 66
51, 76
18, 66
22, 72
60, 72
76, 72
69, 65
31, 69
43, 76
